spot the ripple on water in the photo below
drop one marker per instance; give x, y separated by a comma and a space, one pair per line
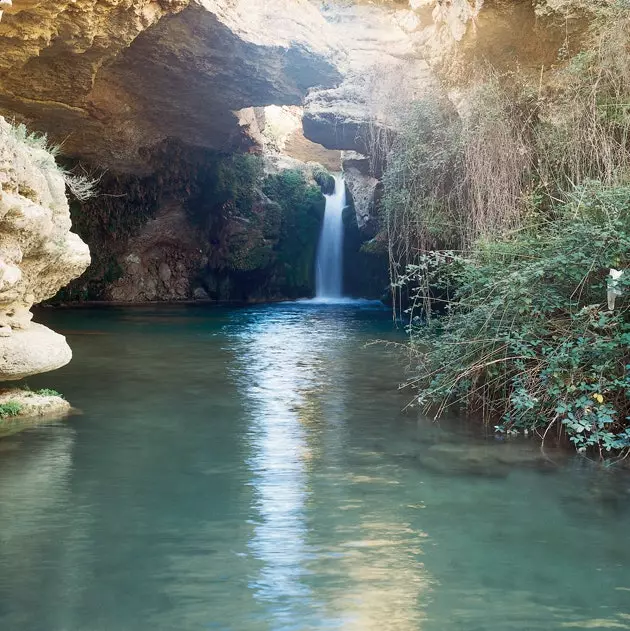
250, 469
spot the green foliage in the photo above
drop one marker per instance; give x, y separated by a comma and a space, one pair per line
325, 181
527, 338
302, 210
530, 194
48, 392
238, 177
263, 229
419, 191
452, 179
10, 409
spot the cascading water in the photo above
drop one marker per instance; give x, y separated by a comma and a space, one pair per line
329, 278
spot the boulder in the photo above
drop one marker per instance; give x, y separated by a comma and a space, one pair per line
31, 351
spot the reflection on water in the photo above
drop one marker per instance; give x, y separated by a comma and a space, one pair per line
275, 371
250, 470
293, 371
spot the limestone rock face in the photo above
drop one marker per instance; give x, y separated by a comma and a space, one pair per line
38, 252
161, 260
279, 132
114, 79
383, 70
31, 351
525, 35
362, 186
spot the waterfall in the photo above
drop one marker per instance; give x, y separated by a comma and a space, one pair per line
329, 279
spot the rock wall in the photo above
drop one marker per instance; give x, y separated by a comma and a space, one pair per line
400, 51
383, 60
38, 252
123, 82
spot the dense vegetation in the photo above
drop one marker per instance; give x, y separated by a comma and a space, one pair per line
503, 226
239, 223
262, 231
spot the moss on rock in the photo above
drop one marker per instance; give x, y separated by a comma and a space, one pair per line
325, 181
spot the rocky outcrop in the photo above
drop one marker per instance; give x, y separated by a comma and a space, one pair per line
160, 261
398, 50
278, 131
362, 185
21, 409
463, 36
363, 189
113, 80
384, 71
38, 252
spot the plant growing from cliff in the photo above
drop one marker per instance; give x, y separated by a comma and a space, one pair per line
80, 183
45, 155
528, 340
585, 119
452, 179
302, 210
419, 205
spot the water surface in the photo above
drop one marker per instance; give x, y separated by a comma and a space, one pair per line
251, 469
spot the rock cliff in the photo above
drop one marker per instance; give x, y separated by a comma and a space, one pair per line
38, 252
382, 60
138, 86
400, 51
112, 80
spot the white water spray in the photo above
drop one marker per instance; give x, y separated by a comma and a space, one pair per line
329, 278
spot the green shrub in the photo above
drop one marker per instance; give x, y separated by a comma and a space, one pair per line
47, 392
302, 211
527, 338
238, 178
10, 409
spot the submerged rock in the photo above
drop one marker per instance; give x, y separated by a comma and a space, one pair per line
493, 459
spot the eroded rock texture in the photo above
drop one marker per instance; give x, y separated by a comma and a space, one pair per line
400, 51
38, 253
382, 61
114, 79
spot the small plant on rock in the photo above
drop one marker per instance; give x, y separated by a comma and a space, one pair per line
10, 409
48, 392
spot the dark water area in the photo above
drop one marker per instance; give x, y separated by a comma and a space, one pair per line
241, 469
